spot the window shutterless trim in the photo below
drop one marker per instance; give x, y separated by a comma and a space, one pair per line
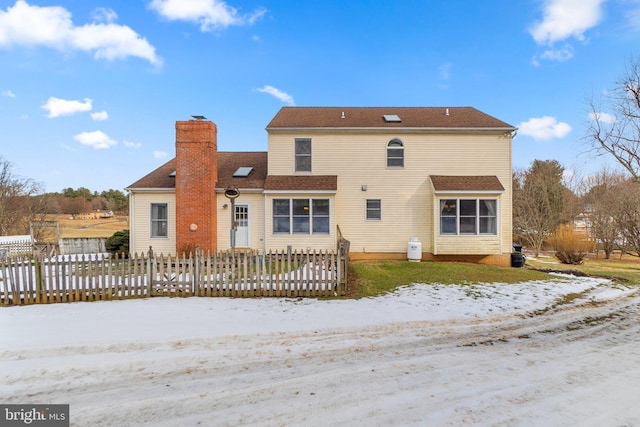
156, 220
372, 210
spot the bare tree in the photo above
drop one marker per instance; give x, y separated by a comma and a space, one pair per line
602, 202
541, 202
626, 212
18, 202
616, 131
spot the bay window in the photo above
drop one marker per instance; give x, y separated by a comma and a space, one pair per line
468, 216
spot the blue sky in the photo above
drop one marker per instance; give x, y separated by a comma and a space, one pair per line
90, 90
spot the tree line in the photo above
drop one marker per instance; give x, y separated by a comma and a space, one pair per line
545, 200
23, 202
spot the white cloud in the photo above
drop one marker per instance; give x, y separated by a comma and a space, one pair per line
8, 94
130, 144
562, 55
100, 115
159, 154
103, 14
564, 19
51, 26
603, 117
275, 92
96, 139
210, 14
63, 107
544, 128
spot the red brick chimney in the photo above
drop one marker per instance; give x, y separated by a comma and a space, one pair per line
196, 178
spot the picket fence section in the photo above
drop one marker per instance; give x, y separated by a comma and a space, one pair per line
98, 277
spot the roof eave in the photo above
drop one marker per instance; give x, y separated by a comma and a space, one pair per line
392, 129
157, 189
440, 192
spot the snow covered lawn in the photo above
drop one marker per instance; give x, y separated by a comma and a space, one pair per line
561, 352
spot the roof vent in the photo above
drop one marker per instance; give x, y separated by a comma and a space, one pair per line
342, 116
392, 118
446, 112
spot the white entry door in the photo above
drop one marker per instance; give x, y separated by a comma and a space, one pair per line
242, 220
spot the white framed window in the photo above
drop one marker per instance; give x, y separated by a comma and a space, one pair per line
395, 153
303, 154
159, 220
374, 209
301, 216
468, 216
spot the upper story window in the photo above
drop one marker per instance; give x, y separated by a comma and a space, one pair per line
303, 154
159, 219
395, 154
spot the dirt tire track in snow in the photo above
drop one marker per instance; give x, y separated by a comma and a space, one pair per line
534, 369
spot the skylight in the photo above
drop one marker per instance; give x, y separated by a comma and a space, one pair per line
243, 172
392, 118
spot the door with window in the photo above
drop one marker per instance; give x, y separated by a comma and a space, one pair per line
242, 221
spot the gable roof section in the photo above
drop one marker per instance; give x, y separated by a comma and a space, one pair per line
373, 117
163, 178
301, 183
444, 183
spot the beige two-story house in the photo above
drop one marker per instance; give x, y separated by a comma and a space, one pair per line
378, 176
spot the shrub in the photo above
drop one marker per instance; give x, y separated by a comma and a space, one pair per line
570, 247
118, 244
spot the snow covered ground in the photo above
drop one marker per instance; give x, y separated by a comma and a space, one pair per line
563, 352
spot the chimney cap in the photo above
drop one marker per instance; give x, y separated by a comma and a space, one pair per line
199, 117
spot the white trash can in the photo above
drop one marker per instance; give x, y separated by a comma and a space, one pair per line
414, 250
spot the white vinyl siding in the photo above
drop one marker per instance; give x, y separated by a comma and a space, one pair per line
410, 208
140, 227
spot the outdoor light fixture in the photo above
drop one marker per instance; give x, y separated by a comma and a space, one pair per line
232, 194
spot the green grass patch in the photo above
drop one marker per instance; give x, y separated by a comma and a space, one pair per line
623, 271
372, 278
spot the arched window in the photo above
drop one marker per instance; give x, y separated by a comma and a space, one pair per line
395, 154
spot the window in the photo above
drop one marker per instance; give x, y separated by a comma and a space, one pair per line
159, 220
374, 209
281, 216
488, 217
320, 209
395, 153
468, 216
301, 216
303, 154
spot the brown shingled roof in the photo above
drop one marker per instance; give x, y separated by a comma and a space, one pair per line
158, 179
373, 117
228, 163
304, 182
466, 183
